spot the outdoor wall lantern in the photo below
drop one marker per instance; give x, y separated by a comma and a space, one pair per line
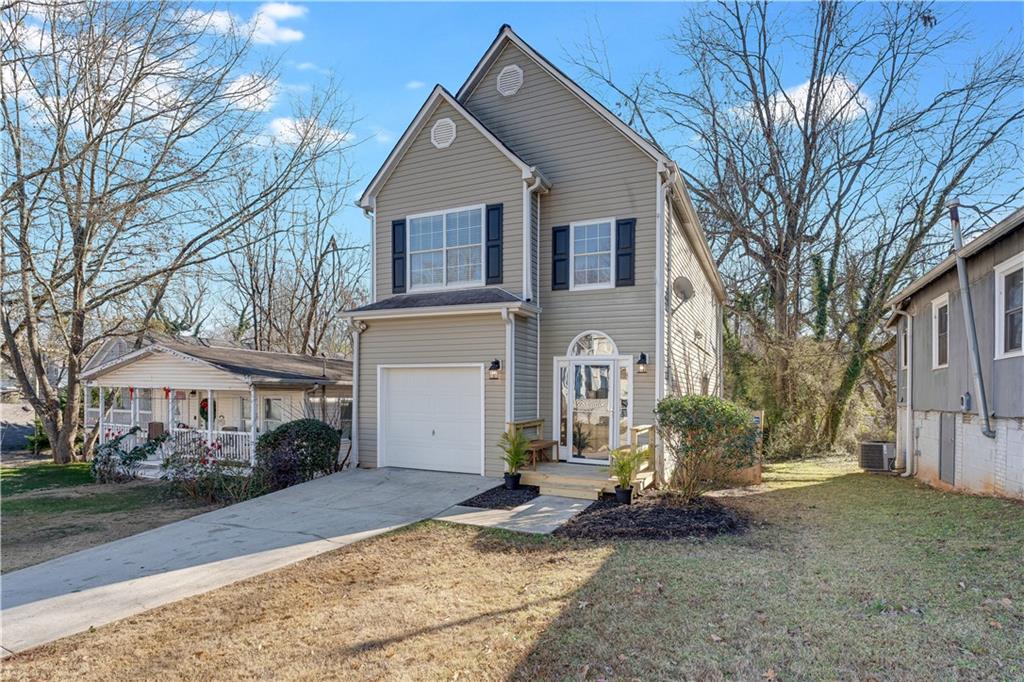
641, 364
494, 371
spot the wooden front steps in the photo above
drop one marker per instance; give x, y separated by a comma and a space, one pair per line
580, 481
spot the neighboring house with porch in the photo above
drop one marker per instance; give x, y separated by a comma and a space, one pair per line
939, 420
533, 258
210, 397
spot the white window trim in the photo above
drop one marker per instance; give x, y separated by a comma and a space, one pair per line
572, 255
1001, 270
444, 249
936, 304
904, 340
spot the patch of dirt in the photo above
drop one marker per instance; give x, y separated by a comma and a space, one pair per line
35, 537
656, 516
499, 498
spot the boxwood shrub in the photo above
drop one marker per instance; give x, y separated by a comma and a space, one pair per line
706, 439
297, 451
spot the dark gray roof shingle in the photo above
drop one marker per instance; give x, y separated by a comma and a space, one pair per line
430, 299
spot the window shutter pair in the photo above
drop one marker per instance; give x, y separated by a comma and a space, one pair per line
625, 258
493, 217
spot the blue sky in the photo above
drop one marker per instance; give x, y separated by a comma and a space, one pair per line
387, 56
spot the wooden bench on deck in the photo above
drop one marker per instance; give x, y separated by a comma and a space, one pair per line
539, 448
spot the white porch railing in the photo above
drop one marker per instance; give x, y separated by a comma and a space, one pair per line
233, 446
111, 431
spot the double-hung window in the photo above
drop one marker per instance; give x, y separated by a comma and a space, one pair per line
446, 249
940, 332
1009, 326
592, 258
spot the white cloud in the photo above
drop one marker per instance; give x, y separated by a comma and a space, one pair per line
288, 130
264, 24
282, 10
383, 135
253, 93
841, 99
306, 66
414, 85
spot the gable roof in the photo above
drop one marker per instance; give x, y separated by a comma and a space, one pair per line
979, 243
506, 36
252, 366
439, 94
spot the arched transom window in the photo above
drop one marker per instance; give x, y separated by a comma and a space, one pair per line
592, 343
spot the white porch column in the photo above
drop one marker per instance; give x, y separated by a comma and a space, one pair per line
209, 416
252, 424
170, 410
103, 408
134, 408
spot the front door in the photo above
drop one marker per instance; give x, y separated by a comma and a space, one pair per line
591, 412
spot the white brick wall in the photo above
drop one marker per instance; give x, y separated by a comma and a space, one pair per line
983, 465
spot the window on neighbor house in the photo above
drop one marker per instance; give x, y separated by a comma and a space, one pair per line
592, 262
940, 332
1010, 307
446, 249
273, 413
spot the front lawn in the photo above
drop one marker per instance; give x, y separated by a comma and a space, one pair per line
841, 576
39, 475
54, 509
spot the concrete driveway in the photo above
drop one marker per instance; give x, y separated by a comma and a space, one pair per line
105, 583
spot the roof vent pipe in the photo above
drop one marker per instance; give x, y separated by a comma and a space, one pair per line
972, 333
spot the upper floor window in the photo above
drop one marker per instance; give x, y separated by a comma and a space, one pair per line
940, 332
446, 249
1009, 326
593, 266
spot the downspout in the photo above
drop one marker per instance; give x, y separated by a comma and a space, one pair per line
359, 327
664, 177
972, 333
909, 463
507, 317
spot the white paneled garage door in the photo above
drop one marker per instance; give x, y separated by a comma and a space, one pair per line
432, 418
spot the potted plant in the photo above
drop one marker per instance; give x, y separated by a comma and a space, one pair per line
514, 444
625, 462
580, 438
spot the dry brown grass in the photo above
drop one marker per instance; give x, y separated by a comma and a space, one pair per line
842, 577
433, 602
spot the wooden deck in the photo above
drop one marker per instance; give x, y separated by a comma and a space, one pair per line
581, 481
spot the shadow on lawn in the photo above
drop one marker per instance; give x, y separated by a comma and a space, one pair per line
799, 595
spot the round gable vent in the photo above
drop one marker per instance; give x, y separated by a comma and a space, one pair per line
510, 80
443, 133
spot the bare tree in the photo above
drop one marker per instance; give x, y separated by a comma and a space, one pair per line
294, 271
852, 165
125, 126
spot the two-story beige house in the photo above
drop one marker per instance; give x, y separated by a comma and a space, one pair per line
533, 257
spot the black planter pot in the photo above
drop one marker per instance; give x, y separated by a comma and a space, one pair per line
623, 495
512, 481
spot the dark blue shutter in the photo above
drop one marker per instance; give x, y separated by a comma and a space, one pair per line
398, 256
560, 257
625, 240
493, 241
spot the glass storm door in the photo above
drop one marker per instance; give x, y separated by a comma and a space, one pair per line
591, 412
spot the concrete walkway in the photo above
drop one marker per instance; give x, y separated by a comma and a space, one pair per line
541, 515
121, 578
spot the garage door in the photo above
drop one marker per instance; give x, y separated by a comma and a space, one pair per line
432, 418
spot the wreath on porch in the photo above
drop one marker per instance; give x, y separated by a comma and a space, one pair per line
204, 409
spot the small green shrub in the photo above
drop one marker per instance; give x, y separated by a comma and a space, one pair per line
624, 464
298, 451
113, 464
706, 439
514, 443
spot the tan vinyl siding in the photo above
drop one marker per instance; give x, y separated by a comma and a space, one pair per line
689, 358
159, 369
595, 172
455, 339
471, 171
525, 399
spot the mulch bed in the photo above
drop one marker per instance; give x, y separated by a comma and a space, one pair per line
655, 516
499, 498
